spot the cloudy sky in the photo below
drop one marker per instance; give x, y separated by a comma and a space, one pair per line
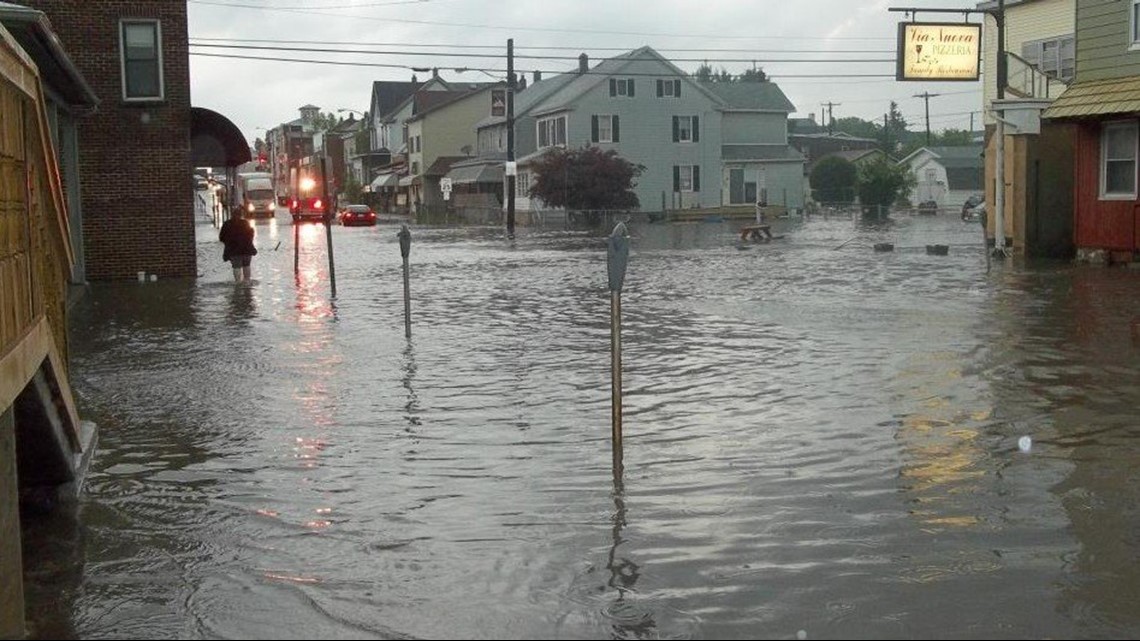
809, 47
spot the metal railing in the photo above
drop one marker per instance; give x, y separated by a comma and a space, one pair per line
1027, 81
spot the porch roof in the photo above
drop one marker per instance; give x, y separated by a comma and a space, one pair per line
1097, 98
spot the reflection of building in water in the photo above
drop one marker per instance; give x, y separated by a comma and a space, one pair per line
1082, 370
942, 458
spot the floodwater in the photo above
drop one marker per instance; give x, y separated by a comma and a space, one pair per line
820, 440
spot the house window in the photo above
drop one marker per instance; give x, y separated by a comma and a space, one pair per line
668, 88
686, 129
141, 59
604, 129
522, 185
622, 87
686, 178
1134, 21
1056, 57
1118, 160
552, 132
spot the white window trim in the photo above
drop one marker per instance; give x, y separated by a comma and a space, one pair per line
681, 182
123, 60
667, 89
538, 125
681, 130
1133, 28
1119, 124
610, 119
621, 87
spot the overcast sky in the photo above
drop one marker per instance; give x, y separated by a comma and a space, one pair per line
256, 94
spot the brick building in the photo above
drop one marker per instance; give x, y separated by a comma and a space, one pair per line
134, 151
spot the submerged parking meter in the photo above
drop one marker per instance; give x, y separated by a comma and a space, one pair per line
405, 238
617, 257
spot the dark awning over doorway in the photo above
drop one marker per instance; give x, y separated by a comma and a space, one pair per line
215, 141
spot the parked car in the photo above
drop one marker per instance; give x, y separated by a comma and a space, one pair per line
971, 202
977, 212
357, 215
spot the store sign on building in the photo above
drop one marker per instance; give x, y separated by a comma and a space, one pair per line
939, 51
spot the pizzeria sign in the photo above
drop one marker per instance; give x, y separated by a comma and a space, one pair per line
939, 51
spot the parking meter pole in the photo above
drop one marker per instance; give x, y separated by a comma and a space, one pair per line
296, 247
615, 377
617, 257
405, 238
329, 215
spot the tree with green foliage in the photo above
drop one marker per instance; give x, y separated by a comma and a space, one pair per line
880, 183
706, 73
353, 190
833, 180
585, 179
755, 74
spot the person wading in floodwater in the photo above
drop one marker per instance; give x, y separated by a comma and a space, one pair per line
237, 234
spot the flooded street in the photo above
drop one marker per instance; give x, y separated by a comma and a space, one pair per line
816, 439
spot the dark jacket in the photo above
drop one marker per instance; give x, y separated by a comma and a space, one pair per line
237, 234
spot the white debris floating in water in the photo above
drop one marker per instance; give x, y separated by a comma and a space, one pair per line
1024, 443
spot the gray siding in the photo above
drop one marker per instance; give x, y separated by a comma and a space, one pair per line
646, 133
1103, 41
751, 127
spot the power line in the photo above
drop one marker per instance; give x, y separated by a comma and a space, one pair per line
447, 54
582, 48
540, 29
348, 63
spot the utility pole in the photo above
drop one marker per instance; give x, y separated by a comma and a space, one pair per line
510, 137
830, 115
926, 95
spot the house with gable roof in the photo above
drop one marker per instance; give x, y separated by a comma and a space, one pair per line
946, 175
700, 145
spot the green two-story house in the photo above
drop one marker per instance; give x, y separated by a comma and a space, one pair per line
701, 144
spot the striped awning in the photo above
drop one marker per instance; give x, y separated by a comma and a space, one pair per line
384, 180
482, 173
1097, 98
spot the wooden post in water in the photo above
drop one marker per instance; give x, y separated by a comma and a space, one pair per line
296, 246
617, 258
405, 237
329, 217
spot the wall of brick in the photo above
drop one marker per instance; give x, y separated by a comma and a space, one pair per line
134, 159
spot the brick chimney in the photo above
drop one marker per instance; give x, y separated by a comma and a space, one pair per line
537, 76
583, 63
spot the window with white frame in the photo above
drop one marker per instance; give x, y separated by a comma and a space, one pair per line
1118, 160
686, 178
551, 132
668, 88
604, 128
1134, 23
686, 129
522, 185
622, 87
140, 50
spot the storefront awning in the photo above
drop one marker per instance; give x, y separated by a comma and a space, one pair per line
408, 181
1097, 98
384, 180
484, 173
